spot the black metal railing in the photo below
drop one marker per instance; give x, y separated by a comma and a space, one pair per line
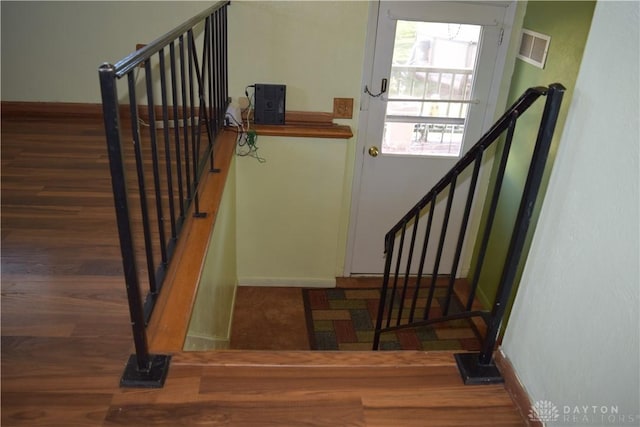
405, 278
186, 70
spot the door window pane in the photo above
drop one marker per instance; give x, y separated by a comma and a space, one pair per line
430, 88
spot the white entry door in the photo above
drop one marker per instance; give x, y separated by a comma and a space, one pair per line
429, 100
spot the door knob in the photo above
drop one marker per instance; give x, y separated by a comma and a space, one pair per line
373, 151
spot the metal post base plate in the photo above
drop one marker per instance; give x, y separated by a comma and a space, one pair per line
154, 378
473, 373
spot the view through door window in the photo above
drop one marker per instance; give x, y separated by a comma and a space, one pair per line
430, 88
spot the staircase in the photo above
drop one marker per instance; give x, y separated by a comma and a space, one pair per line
401, 288
66, 335
185, 160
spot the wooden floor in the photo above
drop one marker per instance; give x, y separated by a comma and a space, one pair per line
66, 335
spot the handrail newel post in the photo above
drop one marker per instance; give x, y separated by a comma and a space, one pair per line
143, 369
480, 368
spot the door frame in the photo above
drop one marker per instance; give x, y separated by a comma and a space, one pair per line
495, 100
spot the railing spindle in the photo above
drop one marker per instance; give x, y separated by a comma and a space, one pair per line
492, 209
217, 63
144, 209
395, 276
210, 33
409, 259
224, 70
463, 232
185, 117
167, 145
215, 126
192, 121
176, 128
389, 245
192, 110
155, 166
203, 116
443, 235
216, 83
425, 245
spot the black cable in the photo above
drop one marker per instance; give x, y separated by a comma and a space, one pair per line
246, 93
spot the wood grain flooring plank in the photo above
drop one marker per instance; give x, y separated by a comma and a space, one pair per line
440, 396
321, 412
54, 364
316, 358
306, 381
54, 409
442, 417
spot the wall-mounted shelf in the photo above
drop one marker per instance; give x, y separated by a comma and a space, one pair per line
306, 124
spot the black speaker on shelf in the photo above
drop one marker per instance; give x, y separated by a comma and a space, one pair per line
269, 104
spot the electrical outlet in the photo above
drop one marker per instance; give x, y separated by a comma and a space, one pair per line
342, 108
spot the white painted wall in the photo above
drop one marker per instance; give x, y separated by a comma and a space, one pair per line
573, 337
289, 212
210, 324
51, 51
293, 210
316, 48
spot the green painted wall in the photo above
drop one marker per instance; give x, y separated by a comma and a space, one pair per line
210, 323
568, 25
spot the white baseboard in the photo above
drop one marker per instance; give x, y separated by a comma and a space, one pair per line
288, 282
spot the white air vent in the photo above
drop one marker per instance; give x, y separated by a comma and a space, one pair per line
534, 47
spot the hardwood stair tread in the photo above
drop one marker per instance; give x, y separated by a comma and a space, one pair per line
315, 358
